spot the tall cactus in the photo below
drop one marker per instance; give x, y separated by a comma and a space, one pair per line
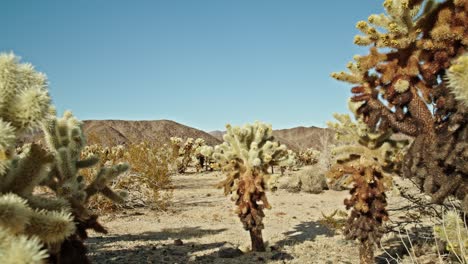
245, 156
368, 159
413, 81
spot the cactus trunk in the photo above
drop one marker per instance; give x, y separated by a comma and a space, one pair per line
366, 253
257, 240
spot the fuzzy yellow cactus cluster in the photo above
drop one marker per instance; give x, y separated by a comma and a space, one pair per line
207, 153
182, 152
245, 155
413, 81
290, 162
457, 77
454, 232
309, 156
366, 159
34, 226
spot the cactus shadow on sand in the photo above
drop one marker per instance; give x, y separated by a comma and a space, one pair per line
151, 247
305, 231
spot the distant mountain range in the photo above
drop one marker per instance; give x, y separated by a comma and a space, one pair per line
115, 132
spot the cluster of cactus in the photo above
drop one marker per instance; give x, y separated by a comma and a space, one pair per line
107, 155
309, 156
182, 153
413, 82
245, 156
34, 227
207, 152
191, 153
367, 159
198, 156
290, 162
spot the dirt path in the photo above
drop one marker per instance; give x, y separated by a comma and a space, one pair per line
203, 219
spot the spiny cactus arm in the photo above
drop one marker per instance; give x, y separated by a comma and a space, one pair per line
15, 249
24, 100
457, 78
14, 213
28, 171
103, 178
50, 227
47, 203
19, 218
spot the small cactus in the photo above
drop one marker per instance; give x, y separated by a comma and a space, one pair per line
245, 156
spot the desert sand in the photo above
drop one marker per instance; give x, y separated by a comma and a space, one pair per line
201, 221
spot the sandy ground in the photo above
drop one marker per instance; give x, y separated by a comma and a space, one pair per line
203, 219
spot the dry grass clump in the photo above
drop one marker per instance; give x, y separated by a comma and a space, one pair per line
151, 164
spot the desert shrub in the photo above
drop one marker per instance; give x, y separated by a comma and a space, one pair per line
311, 180
150, 164
306, 179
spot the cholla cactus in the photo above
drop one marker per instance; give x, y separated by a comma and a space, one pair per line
403, 87
454, 232
26, 220
182, 154
290, 162
309, 156
367, 159
207, 152
457, 79
245, 156
198, 157
175, 146
185, 155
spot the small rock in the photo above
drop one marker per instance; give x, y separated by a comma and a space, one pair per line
229, 252
208, 194
178, 242
260, 259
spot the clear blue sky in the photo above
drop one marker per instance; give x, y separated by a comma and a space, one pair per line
202, 63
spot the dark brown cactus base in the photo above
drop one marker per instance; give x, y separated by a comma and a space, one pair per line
257, 240
366, 253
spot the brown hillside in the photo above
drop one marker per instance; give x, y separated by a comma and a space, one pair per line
114, 132
305, 137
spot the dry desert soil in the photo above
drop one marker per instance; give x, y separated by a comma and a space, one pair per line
201, 222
